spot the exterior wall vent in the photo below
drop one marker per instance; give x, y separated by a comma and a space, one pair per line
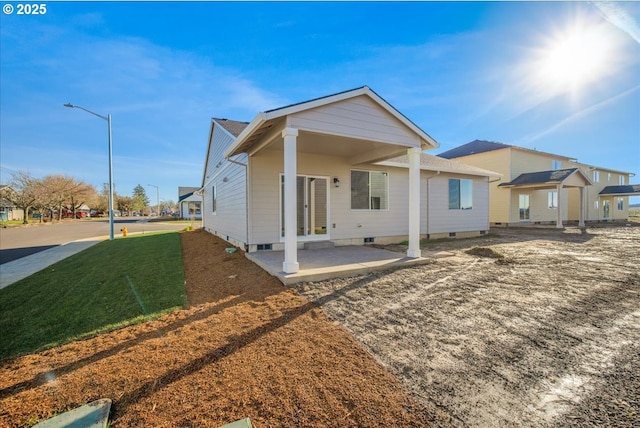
264, 247
369, 240
483, 232
452, 234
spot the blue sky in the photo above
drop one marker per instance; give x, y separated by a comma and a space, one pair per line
461, 71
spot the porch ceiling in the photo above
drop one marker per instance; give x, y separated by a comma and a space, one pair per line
356, 151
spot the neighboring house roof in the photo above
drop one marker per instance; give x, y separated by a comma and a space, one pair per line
625, 190
483, 146
265, 120
438, 164
472, 148
544, 178
184, 190
233, 127
185, 196
604, 169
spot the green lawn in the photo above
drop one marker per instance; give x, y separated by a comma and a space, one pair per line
110, 285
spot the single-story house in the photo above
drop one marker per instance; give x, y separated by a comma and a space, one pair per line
190, 203
547, 188
346, 169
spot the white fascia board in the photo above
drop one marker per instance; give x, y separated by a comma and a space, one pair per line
402, 118
206, 158
601, 168
308, 105
246, 133
365, 90
478, 173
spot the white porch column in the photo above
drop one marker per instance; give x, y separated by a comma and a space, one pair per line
583, 208
414, 202
559, 208
290, 264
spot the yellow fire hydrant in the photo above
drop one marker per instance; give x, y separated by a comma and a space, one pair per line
124, 231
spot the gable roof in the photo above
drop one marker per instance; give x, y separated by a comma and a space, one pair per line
544, 178
483, 146
438, 164
626, 190
233, 127
184, 190
264, 120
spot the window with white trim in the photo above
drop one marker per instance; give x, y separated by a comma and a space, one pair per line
369, 190
620, 204
460, 194
556, 165
596, 205
596, 176
621, 180
552, 198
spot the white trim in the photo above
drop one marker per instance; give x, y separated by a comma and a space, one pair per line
290, 263
306, 238
263, 117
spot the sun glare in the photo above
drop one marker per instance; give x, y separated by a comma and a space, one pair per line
573, 58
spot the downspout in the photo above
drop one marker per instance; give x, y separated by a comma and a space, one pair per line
429, 202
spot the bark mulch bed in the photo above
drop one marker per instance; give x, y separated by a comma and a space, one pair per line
244, 347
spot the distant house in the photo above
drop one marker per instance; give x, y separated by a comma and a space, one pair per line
542, 188
344, 169
189, 203
8, 211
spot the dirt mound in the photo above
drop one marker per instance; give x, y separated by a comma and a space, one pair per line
484, 252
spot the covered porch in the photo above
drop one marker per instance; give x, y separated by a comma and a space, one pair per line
299, 156
554, 181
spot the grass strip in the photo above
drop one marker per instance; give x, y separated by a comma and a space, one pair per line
91, 292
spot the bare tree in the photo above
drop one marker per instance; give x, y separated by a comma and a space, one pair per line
60, 192
22, 192
81, 193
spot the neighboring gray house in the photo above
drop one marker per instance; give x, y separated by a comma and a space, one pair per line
346, 168
190, 203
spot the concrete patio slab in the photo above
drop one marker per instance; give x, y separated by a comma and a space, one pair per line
326, 263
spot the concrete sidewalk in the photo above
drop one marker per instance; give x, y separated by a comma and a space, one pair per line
16, 270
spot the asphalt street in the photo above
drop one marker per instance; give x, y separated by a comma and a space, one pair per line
17, 242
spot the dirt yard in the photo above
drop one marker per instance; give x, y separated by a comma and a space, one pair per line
536, 327
520, 328
245, 347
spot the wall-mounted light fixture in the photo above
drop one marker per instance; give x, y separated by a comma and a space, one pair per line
336, 182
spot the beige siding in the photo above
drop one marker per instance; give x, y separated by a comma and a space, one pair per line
539, 205
441, 219
344, 223
500, 199
359, 118
529, 161
606, 178
351, 226
229, 180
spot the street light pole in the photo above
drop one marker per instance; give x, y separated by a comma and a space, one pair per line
157, 198
108, 119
